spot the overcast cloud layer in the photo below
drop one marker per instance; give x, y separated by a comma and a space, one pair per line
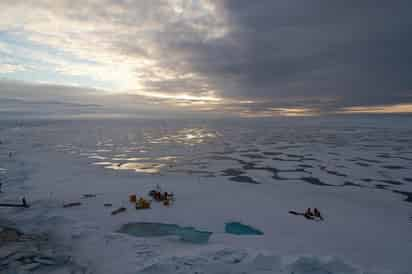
235, 55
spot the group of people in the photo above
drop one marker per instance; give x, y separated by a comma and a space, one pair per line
164, 197
312, 215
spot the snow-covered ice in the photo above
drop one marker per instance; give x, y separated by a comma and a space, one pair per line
355, 170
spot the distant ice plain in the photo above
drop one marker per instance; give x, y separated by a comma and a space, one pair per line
356, 170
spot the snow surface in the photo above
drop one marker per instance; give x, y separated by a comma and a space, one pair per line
356, 171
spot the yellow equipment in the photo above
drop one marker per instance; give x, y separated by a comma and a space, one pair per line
142, 204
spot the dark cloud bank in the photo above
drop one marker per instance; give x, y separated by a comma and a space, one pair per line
314, 53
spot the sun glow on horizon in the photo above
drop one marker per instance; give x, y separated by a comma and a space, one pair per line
273, 112
397, 108
179, 97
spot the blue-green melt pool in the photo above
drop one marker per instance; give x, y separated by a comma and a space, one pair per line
186, 234
241, 229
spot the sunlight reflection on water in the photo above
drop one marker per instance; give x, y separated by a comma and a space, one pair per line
138, 167
102, 163
115, 155
187, 136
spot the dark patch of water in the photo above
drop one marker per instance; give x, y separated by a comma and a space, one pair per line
286, 160
336, 173
367, 160
243, 179
253, 156
392, 182
393, 167
249, 150
271, 153
380, 186
305, 166
405, 193
362, 164
352, 184
294, 156
232, 172
314, 181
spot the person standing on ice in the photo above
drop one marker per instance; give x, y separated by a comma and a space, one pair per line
317, 214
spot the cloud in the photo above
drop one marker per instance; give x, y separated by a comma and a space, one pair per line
9, 68
38, 100
313, 57
348, 54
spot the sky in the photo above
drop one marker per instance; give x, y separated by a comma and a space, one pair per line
230, 57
